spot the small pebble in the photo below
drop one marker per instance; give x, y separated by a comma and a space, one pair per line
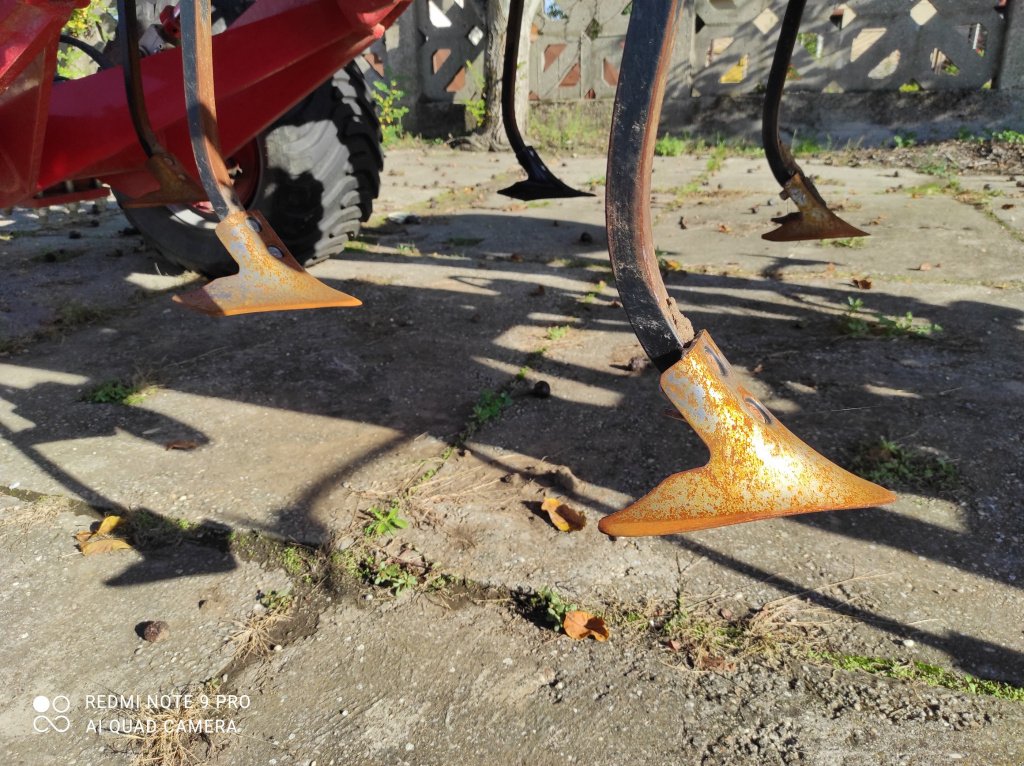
155, 631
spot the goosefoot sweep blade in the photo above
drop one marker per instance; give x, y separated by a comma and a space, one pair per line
758, 468
268, 278
540, 183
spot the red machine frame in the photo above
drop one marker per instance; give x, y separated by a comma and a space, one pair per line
276, 53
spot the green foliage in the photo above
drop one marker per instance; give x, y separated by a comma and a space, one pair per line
932, 675
384, 521
904, 140
888, 462
81, 22
489, 406
859, 322
555, 607
669, 146
276, 602
570, 126
117, 392
387, 95
804, 147
293, 560
395, 578
557, 332
811, 42
476, 107
1008, 137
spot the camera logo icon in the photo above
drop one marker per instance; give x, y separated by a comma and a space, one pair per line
59, 705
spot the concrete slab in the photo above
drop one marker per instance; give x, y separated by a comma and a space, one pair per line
301, 422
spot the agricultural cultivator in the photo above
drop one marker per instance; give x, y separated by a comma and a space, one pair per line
193, 132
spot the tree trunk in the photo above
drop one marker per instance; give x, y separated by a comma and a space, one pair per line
492, 134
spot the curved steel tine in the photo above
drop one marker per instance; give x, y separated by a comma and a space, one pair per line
268, 278
758, 468
540, 183
813, 220
175, 184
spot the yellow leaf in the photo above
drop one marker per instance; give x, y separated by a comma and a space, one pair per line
566, 519
83, 536
736, 73
108, 524
93, 547
582, 624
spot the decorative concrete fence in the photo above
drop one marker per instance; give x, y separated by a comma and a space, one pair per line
724, 48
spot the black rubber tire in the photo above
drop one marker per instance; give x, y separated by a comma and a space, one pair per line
320, 173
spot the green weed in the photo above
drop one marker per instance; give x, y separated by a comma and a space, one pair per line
293, 560
858, 322
387, 95
384, 521
887, 462
70, 60
932, 675
395, 578
118, 392
557, 332
490, 405
276, 602
670, 146
555, 607
904, 140
847, 242
1008, 137
570, 127
476, 107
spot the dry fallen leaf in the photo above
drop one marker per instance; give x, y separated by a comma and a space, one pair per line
181, 444
724, 228
562, 516
107, 525
667, 264
863, 284
925, 267
100, 541
106, 545
582, 624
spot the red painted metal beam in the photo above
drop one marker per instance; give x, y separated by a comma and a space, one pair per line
271, 58
28, 57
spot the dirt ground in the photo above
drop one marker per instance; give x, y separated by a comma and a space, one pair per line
337, 514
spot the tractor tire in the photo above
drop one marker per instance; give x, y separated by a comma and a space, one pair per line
314, 175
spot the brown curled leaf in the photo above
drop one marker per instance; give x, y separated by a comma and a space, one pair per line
863, 284
580, 625
182, 444
564, 518
106, 545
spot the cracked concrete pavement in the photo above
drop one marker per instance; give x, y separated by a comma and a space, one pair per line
302, 421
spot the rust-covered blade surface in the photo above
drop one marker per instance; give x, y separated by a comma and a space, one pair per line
813, 219
758, 468
268, 278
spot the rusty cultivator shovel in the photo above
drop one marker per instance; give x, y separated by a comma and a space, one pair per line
540, 182
268, 278
758, 468
813, 219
